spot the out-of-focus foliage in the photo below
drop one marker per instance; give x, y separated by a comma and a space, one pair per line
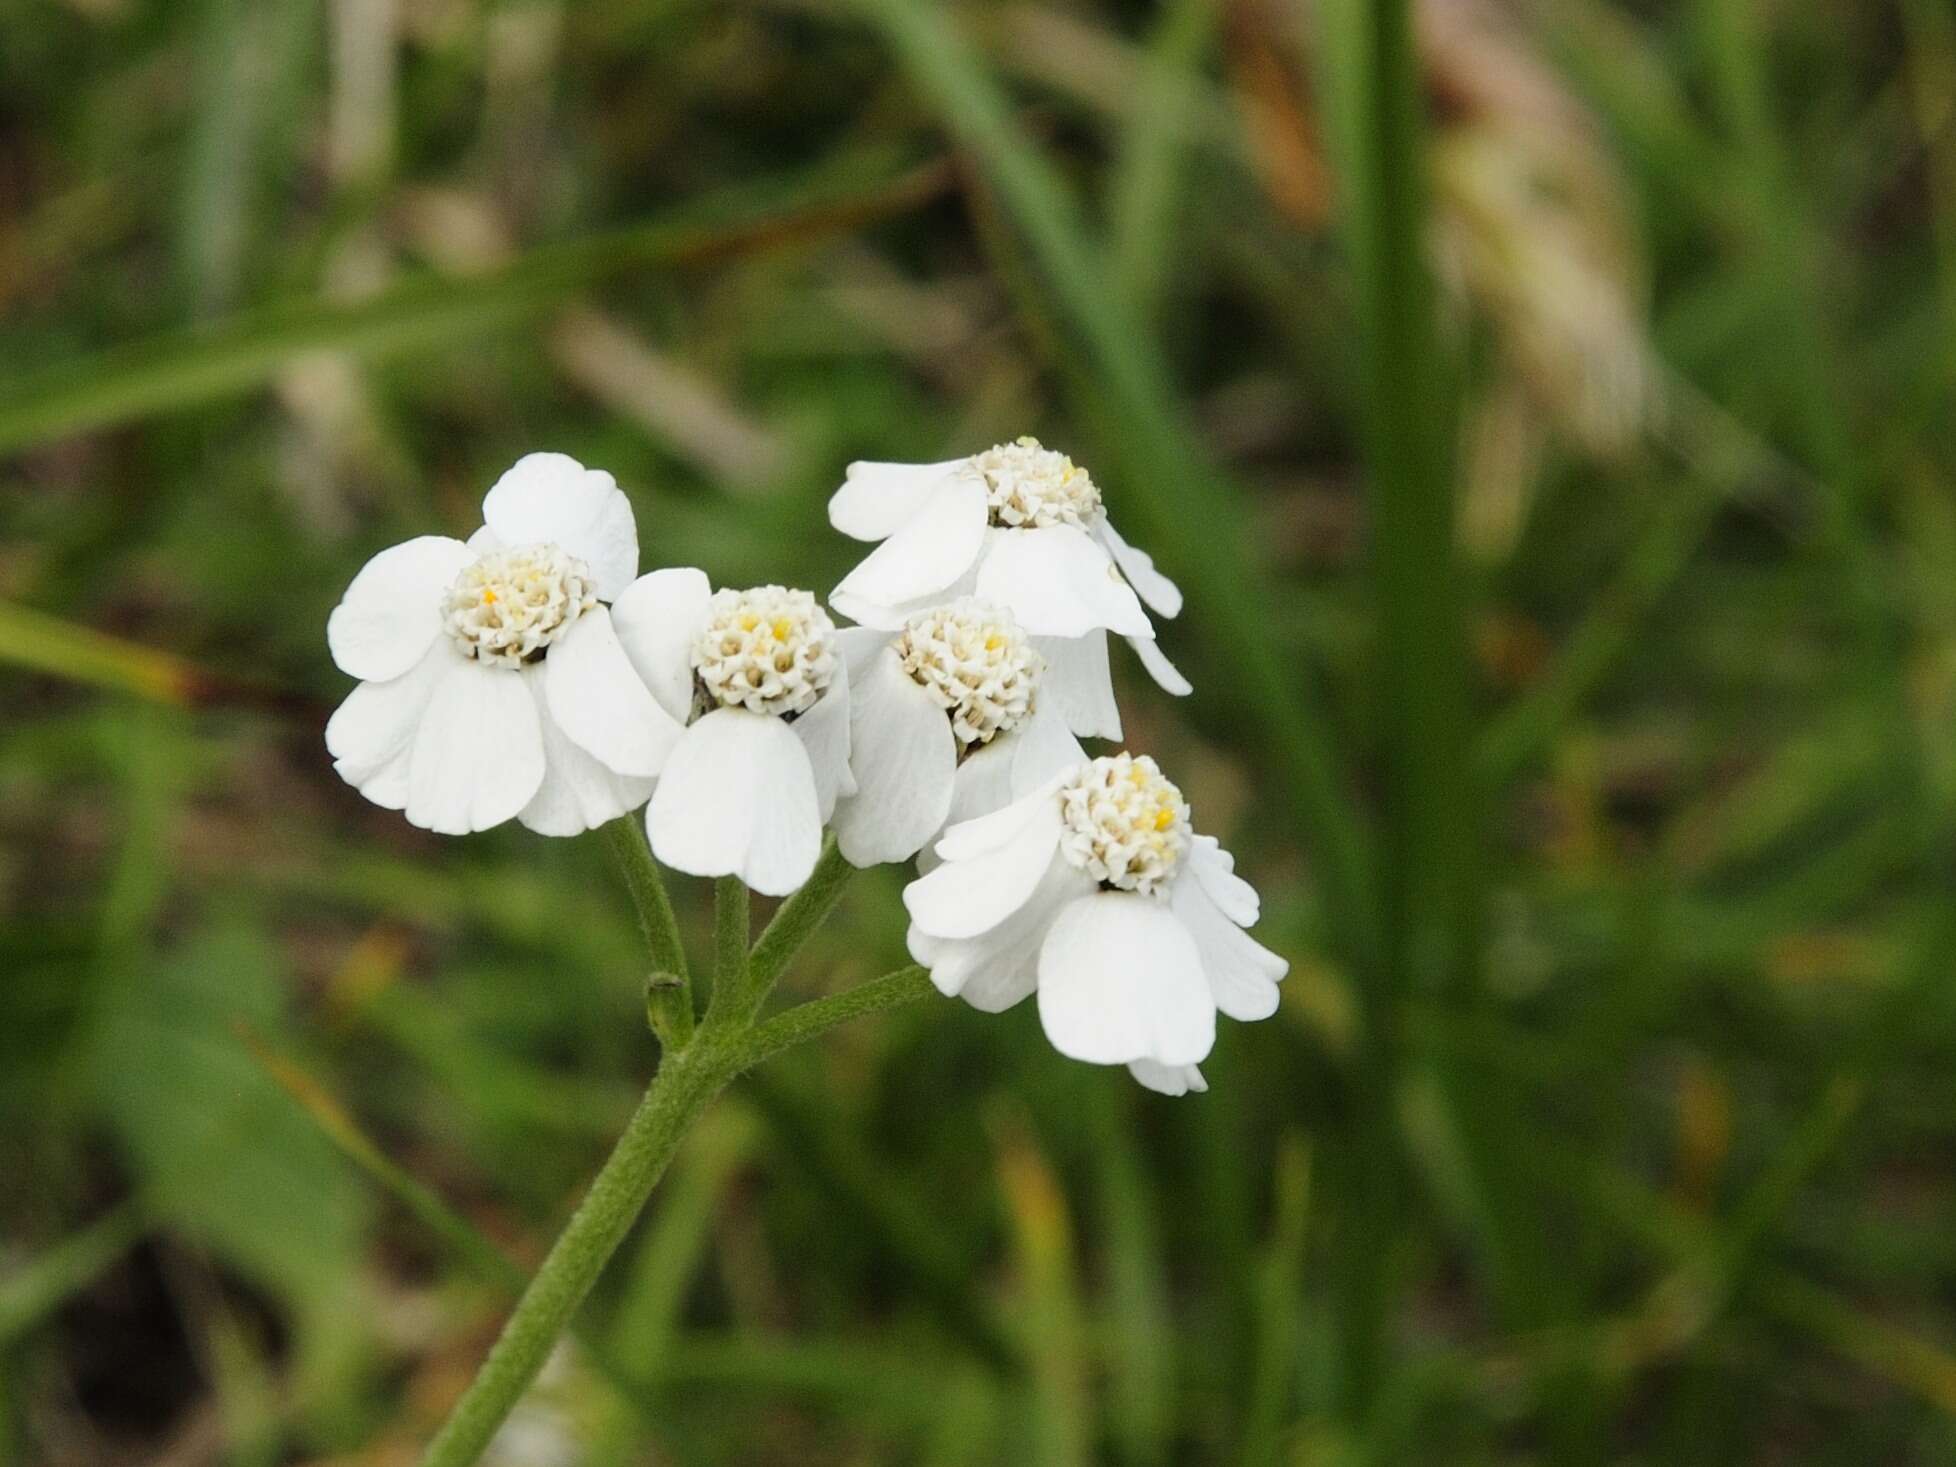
289, 1092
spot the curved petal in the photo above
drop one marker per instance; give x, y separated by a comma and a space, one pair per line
1139, 568
551, 498
1168, 677
996, 969
371, 734
1168, 1079
1120, 980
858, 646
1059, 582
981, 785
1041, 748
905, 759
873, 615
876, 499
970, 839
929, 553
824, 731
737, 798
596, 697
578, 792
478, 752
392, 609
1078, 686
963, 898
1243, 973
656, 619
1215, 869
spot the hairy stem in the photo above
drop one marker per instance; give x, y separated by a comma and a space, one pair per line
730, 1007
668, 995
810, 1020
684, 1085
798, 917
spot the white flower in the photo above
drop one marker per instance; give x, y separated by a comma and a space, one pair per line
1024, 528
1095, 891
493, 684
757, 678
948, 721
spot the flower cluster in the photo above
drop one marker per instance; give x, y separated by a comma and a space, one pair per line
531, 673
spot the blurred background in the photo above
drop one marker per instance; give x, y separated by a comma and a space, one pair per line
1546, 406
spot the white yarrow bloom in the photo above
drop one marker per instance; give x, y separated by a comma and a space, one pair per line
492, 680
1022, 527
948, 721
1096, 892
758, 679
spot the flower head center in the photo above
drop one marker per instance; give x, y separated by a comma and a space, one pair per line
511, 604
1030, 487
973, 659
768, 650
1123, 823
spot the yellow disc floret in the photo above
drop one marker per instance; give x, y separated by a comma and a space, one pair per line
1124, 824
1030, 487
973, 659
509, 606
768, 650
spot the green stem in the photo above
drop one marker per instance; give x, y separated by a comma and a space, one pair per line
798, 917
730, 1007
669, 995
807, 1021
685, 1083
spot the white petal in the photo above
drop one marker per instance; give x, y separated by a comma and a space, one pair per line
478, 753
824, 733
1139, 568
1009, 768
371, 734
1243, 974
876, 499
1168, 677
393, 608
1059, 582
963, 898
1120, 980
578, 793
874, 614
551, 498
1041, 748
737, 798
858, 646
905, 759
1168, 1079
927, 555
996, 969
596, 698
1078, 686
982, 784
656, 618
1215, 869
972, 838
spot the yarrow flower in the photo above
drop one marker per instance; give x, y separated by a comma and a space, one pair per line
1025, 528
948, 721
492, 680
1095, 892
758, 680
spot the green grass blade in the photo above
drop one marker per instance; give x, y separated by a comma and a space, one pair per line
183, 368
1370, 79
